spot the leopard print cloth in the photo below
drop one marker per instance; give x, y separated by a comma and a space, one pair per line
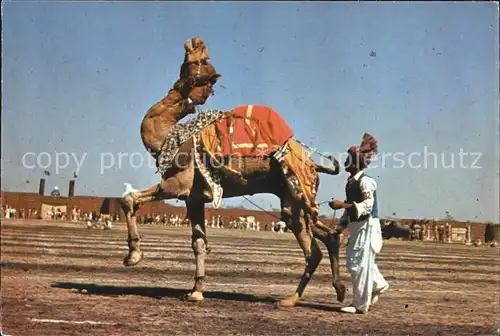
180, 133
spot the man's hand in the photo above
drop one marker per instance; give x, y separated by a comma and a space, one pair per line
336, 204
336, 163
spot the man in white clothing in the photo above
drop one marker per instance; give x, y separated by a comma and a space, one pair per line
361, 218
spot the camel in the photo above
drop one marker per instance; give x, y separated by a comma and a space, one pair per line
185, 181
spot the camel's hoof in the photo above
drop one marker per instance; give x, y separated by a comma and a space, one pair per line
195, 297
133, 258
340, 291
290, 301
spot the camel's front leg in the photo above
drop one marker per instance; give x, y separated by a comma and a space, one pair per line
300, 226
196, 213
133, 199
131, 202
332, 243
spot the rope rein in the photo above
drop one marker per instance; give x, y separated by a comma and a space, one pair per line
262, 209
313, 149
274, 216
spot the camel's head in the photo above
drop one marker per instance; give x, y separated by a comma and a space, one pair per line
195, 91
196, 59
203, 88
197, 71
195, 50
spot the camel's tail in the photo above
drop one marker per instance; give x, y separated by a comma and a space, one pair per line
335, 170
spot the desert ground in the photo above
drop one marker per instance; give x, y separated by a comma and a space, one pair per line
64, 279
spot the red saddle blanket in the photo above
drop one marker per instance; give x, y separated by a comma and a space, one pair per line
251, 130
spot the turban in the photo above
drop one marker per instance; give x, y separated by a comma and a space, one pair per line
362, 155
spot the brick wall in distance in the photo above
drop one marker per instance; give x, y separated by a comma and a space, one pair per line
27, 201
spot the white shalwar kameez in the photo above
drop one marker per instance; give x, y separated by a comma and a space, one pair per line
365, 241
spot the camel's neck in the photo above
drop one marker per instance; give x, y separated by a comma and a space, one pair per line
160, 119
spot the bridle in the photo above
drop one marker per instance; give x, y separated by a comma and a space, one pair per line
199, 81
201, 62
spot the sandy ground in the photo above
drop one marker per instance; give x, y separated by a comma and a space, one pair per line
63, 279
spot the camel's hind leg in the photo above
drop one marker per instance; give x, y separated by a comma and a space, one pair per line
196, 213
332, 243
300, 226
167, 189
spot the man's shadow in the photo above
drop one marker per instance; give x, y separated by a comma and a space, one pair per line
176, 293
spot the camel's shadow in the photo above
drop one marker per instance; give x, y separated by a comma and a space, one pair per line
176, 293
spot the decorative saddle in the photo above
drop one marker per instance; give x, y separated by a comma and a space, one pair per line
246, 131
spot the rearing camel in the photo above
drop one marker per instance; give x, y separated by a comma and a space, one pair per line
183, 178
